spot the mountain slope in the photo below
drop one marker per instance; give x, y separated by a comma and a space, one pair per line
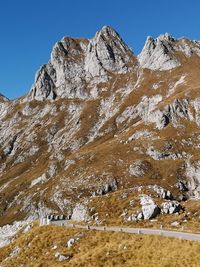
99, 120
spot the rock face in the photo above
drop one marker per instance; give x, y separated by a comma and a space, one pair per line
8, 232
44, 87
4, 102
160, 53
107, 52
76, 62
193, 179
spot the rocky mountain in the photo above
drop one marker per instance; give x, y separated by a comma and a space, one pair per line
104, 135
77, 65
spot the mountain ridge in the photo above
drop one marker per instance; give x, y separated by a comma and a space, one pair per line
162, 37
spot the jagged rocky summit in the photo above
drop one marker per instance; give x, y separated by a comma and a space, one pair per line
76, 64
99, 121
164, 52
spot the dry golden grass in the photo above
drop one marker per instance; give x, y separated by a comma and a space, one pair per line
98, 249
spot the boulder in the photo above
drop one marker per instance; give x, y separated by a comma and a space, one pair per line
132, 218
175, 223
136, 169
61, 257
149, 209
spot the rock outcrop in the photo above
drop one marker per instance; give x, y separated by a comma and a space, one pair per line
192, 173
77, 63
157, 54
110, 186
170, 207
162, 192
161, 53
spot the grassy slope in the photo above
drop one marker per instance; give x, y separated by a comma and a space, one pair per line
98, 249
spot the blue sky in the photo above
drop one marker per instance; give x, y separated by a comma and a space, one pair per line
29, 29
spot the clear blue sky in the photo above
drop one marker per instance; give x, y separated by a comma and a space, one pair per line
29, 29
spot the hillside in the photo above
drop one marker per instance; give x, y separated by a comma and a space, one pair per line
106, 137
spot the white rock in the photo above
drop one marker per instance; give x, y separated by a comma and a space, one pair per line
173, 86
140, 216
140, 134
7, 232
170, 207
175, 223
60, 256
40, 179
106, 52
79, 213
149, 208
163, 193
158, 54
192, 173
70, 242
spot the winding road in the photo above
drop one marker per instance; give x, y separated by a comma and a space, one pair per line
146, 231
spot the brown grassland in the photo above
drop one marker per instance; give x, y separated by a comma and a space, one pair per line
38, 247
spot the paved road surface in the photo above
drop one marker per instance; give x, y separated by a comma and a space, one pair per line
146, 231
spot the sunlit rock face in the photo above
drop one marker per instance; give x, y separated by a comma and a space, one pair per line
75, 63
161, 53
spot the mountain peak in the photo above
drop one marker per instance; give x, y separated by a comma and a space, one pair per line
107, 52
161, 53
166, 37
107, 31
110, 37
157, 54
77, 62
